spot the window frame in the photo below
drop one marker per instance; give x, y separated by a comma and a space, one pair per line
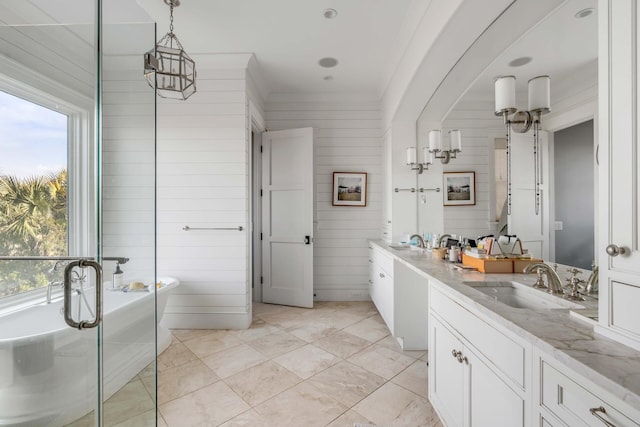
82, 167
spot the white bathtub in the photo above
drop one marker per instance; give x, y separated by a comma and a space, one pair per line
44, 363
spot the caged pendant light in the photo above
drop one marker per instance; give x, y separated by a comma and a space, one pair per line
168, 68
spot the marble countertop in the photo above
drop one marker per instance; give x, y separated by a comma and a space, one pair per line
571, 340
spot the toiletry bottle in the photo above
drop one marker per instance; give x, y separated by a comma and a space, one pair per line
117, 277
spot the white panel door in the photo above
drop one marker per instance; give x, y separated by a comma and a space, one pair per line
287, 217
532, 229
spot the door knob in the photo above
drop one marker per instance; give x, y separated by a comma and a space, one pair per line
307, 240
615, 250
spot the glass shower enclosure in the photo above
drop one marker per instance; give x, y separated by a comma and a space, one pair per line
78, 285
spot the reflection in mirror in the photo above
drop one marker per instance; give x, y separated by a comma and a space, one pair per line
563, 45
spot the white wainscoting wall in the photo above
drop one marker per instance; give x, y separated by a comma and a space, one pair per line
202, 183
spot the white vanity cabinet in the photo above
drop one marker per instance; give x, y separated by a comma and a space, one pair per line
619, 168
381, 284
400, 295
571, 400
478, 375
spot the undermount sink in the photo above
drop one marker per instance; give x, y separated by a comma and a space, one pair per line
400, 247
517, 295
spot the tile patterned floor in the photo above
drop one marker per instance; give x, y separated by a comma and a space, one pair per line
333, 365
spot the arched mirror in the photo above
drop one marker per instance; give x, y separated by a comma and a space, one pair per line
559, 224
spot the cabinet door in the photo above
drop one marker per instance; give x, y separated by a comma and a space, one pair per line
491, 401
446, 376
619, 225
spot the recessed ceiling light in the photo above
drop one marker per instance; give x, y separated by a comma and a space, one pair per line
519, 62
328, 62
583, 13
330, 13
327, 78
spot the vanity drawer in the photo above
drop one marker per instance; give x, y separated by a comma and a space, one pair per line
572, 403
378, 257
505, 354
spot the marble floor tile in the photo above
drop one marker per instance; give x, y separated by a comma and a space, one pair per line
342, 344
392, 344
381, 361
189, 334
364, 308
258, 328
369, 329
261, 382
209, 406
286, 319
349, 419
146, 419
249, 418
307, 361
415, 378
128, 402
336, 319
259, 308
302, 405
233, 360
176, 354
276, 343
181, 380
392, 405
311, 332
347, 382
214, 341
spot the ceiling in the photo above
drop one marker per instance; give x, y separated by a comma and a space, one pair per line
289, 37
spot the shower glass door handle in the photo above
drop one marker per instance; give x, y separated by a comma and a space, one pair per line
68, 317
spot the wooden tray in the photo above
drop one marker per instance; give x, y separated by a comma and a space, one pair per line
486, 265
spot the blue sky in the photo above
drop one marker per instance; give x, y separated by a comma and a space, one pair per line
33, 139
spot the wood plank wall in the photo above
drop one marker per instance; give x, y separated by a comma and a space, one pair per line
202, 182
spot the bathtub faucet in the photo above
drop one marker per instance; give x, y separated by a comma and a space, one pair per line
50, 286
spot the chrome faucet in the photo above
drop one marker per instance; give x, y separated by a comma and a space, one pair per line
553, 280
444, 236
592, 281
421, 243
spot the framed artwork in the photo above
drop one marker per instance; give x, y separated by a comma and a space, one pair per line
349, 189
460, 188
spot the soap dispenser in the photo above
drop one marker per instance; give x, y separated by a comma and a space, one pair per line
117, 277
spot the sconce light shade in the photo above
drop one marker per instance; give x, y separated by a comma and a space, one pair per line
427, 155
455, 139
412, 156
505, 90
540, 94
435, 140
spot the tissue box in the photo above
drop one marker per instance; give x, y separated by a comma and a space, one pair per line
487, 265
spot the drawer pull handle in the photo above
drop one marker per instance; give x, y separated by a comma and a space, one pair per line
381, 275
594, 412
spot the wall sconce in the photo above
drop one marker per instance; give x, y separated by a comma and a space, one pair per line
412, 159
435, 145
523, 121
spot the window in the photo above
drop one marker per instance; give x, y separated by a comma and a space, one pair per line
33, 191
67, 114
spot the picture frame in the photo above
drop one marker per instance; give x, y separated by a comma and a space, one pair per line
459, 188
349, 189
